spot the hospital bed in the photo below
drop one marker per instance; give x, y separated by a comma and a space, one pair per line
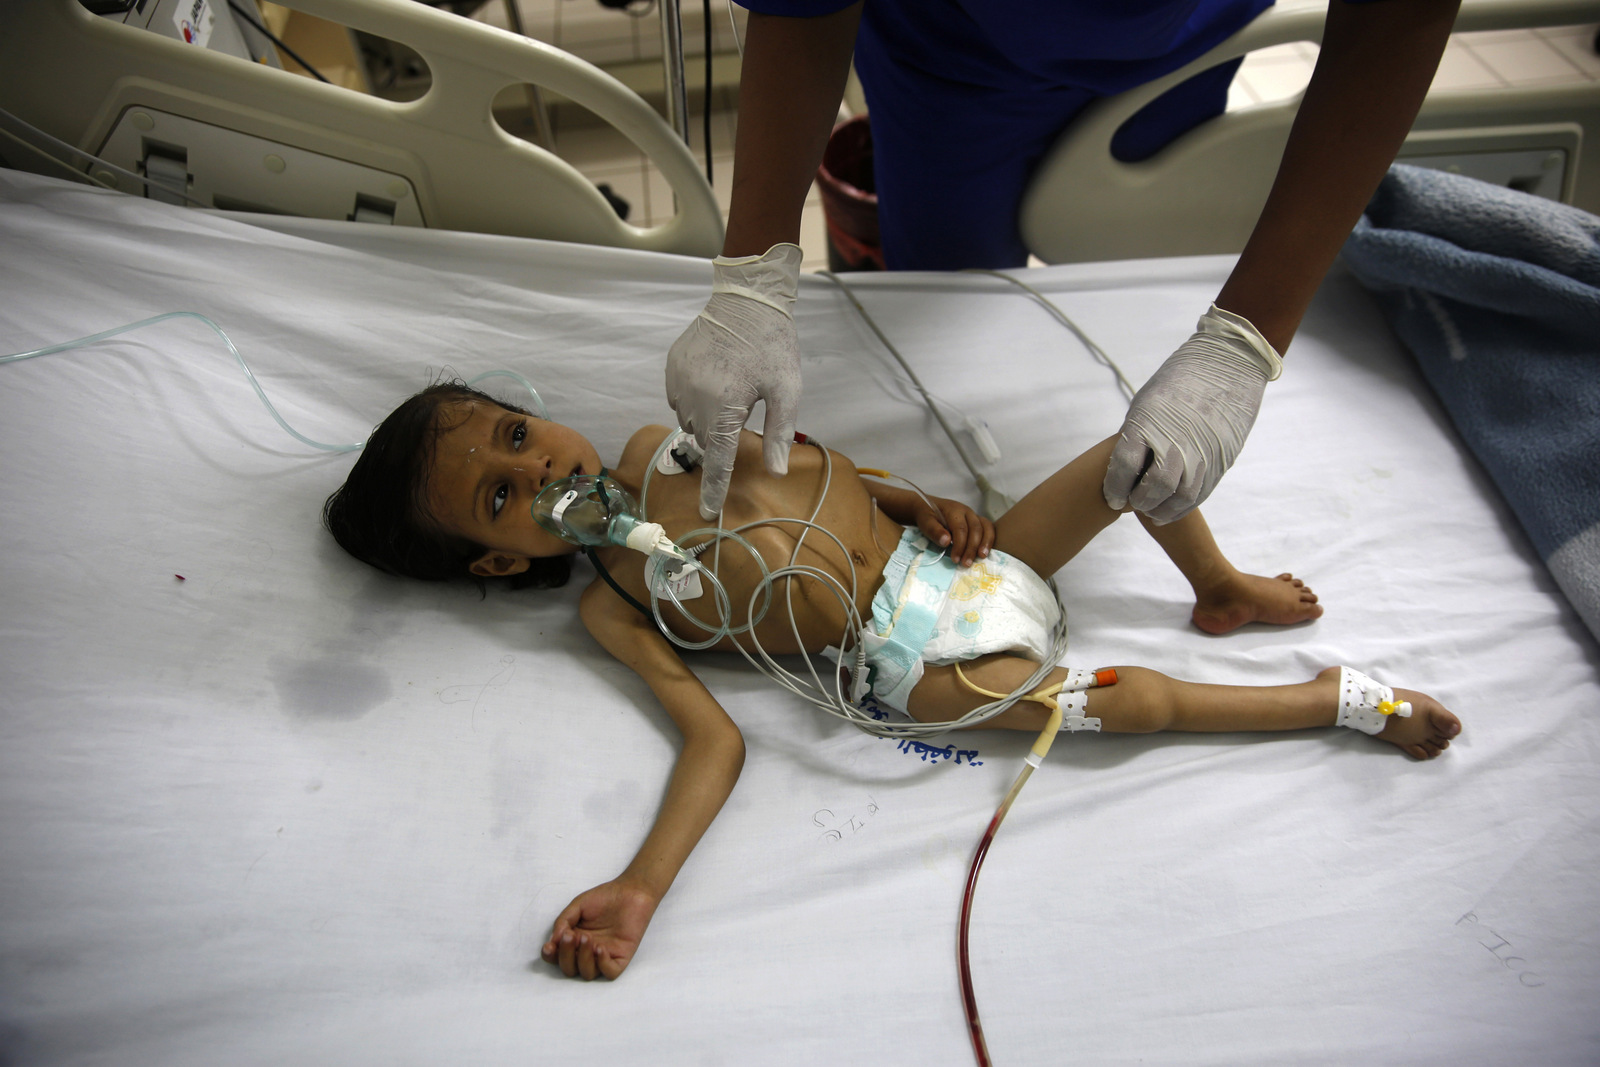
265, 805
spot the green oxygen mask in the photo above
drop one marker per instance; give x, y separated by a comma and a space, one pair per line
592, 510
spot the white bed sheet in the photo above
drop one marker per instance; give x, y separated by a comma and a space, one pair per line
291, 810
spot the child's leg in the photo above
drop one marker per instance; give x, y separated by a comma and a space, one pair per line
1063, 513
1144, 701
1053, 522
1225, 598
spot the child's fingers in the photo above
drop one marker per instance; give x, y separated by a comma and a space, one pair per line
963, 545
609, 965
563, 925
979, 539
933, 530
586, 967
973, 536
553, 945
567, 954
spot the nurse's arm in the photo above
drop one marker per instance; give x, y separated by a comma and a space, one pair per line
1376, 63
791, 81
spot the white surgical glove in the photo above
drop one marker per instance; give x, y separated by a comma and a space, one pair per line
740, 349
1189, 421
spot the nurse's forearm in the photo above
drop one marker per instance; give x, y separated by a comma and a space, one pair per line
790, 85
1376, 63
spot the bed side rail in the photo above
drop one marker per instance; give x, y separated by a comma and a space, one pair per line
1203, 193
439, 161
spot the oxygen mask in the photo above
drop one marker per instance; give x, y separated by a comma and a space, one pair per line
592, 510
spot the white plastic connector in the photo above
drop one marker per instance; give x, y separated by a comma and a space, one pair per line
983, 439
647, 537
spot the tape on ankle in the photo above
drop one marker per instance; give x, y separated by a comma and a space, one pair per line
1361, 700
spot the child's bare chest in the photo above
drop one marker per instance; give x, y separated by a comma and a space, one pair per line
843, 553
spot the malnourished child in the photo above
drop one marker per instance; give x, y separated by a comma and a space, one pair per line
444, 489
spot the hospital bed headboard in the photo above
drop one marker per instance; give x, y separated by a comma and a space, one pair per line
1202, 193
236, 132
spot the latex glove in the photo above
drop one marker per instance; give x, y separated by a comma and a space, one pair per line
740, 349
1189, 421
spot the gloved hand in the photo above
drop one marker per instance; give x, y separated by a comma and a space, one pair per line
740, 349
1189, 421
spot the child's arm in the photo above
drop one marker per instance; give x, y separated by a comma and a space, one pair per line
599, 932
967, 534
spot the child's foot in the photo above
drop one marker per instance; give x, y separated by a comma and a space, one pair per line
1423, 734
1243, 598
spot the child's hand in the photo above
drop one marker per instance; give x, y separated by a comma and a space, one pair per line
600, 930
963, 532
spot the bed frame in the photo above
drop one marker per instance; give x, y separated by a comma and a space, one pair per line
253, 138
1203, 193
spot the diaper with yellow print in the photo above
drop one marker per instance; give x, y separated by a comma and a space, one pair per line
929, 610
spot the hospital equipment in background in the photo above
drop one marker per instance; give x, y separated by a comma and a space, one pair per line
1203, 193
245, 137
207, 23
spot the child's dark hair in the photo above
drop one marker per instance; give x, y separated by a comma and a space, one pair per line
380, 514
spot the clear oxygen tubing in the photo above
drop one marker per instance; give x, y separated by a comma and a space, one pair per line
261, 393
104, 334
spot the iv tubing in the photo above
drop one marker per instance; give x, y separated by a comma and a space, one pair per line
1041, 748
102, 335
81, 342
969, 999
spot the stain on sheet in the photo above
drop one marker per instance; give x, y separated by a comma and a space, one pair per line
338, 690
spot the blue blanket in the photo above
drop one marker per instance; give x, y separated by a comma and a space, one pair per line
1497, 295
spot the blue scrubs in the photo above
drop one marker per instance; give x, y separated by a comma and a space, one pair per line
966, 97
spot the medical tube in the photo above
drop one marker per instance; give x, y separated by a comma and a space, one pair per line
81, 342
104, 334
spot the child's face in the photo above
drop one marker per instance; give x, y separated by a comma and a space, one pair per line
487, 468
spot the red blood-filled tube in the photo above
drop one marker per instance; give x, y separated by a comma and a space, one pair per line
969, 999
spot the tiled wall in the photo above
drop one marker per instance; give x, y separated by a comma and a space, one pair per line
1560, 55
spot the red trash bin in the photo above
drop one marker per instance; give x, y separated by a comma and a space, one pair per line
850, 198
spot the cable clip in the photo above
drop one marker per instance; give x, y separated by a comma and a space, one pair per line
979, 429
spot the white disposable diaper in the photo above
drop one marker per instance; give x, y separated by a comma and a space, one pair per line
929, 610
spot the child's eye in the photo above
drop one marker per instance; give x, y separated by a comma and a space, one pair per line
499, 501
519, 434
